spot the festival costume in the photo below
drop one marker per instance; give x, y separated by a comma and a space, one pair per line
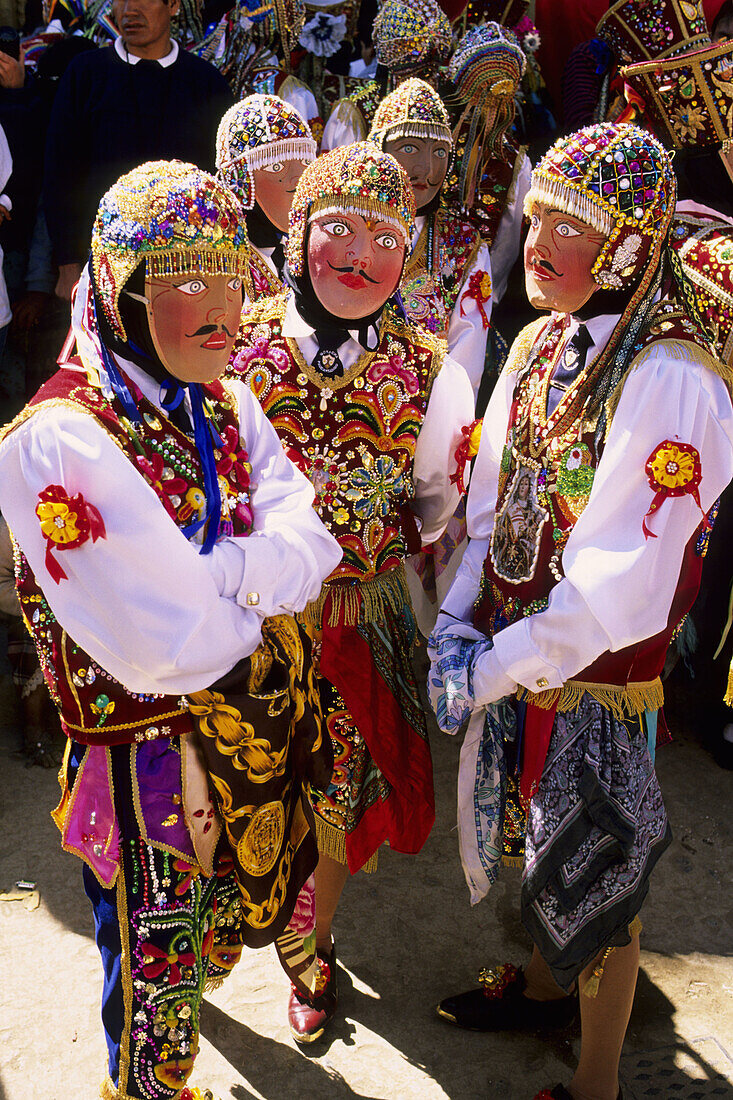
490, 173
256, 133
377, 441
570, 505
106, 463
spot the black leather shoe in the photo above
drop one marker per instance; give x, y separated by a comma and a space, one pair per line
500, 1005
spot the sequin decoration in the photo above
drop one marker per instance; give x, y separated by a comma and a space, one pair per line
414, 109
618, 179
179, 219
671, 64
488, 63
256, 132
360, 179
706, 257
411, 36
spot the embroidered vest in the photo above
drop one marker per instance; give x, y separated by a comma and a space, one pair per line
546, 476
354, 437
495, 189
436, 270
94, 708
265, 283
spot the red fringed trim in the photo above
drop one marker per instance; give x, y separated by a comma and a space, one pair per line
66, 523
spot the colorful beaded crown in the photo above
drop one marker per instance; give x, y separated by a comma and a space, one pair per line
671, 64
411, 36
618, 179
256, 132
706, 257
414, 109
177, 218
357, 179
488, 64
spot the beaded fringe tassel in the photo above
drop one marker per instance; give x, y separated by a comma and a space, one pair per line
432, 131
591, 987
363, 602
261, 156
572, 200
622, 701
332, 842
207, 261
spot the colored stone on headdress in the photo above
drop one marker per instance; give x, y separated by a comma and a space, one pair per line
414, 109
618, 179
488, 64
706, 258
353, 179
671, 64
256, 132
411, 36
177, 218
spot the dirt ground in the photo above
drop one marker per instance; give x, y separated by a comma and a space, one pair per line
406, 937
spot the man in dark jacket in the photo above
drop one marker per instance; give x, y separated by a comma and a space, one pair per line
140, 99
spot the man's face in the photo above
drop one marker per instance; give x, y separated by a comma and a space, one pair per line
426, 163
142, 23
193, 322
355, 263
274, 189
559, 253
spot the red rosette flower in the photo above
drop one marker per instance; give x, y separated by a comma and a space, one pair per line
673, 470
66, 523
165, 486
465, 451
478, 291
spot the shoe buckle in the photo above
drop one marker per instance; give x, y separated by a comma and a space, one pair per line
496, 980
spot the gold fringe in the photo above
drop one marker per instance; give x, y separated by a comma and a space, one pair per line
622, 700
361, 601
729, 689
684, 351
591, 987
512, 861
332, 842
205, 261
212, 984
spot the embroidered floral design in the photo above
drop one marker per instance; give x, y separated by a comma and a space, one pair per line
162, 479
66, 523
373, 484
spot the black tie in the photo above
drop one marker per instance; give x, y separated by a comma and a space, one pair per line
568, 367
327, 360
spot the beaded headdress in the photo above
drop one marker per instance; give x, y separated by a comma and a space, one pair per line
671, 64
411, 36
256, 132
619, 179
414, 109
486, 70
705, 254
177, 218
358, 179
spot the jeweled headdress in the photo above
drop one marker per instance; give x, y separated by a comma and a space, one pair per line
619, 179
411, 36
256, 132
671, 64
706, 259
414, 109
358, 179
177, 218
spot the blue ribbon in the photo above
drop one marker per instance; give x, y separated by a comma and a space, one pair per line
206, 437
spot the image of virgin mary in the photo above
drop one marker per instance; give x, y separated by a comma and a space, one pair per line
515, 540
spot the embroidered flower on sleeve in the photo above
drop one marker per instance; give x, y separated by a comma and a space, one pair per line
673, 470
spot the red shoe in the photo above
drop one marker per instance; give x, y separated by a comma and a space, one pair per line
309, 1019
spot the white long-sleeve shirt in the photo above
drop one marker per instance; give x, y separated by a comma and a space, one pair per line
450, 407
142, 601
618, 585
505, 246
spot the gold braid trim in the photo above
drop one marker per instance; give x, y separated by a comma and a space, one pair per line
729, 689
686, 351
622, 700
332, 842
523, 344
360, 602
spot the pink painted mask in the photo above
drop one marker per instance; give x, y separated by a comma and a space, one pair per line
355, 263
193, 321
559, 254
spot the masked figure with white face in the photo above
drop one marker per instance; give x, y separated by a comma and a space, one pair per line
164, 542
371, 409
262, 148
606, 442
